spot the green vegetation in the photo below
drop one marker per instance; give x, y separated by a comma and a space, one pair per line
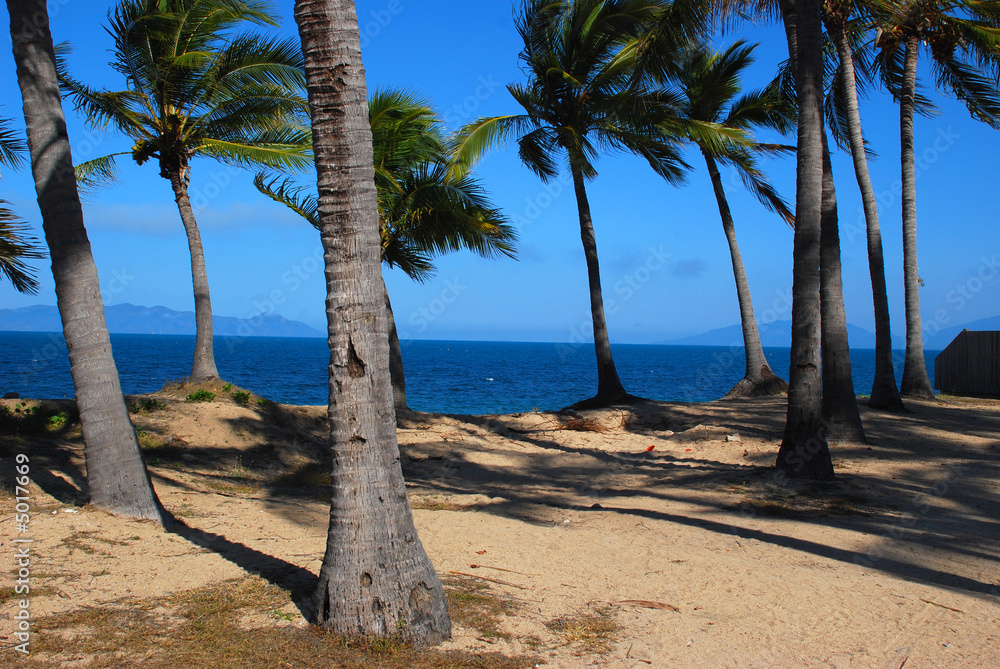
201, 395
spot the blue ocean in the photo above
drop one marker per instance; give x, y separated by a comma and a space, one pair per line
441, 376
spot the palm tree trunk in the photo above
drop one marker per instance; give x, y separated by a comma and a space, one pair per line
884, 395
116, 473
758, 380
804, 452
376, 578
840, 404
204, 353
915, 382
396, 373
609, 387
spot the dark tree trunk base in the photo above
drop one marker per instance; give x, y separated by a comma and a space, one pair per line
917, 392
805, 457
604, 402
768, 384
887, 402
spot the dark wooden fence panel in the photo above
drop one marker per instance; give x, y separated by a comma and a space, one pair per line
970, 365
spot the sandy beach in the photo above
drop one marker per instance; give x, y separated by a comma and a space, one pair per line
655, 535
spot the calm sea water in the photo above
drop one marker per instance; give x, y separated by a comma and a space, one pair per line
441, 376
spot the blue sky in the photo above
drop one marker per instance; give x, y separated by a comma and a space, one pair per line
665, 263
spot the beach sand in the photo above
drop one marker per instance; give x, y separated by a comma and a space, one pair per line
602, 552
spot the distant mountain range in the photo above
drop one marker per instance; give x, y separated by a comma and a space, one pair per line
779, 334
939, 340
130, 319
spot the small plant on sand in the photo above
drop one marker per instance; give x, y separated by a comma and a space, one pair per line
472, 604
241, 397
57, 421
227, 388
148, 405
201, 396
592, 632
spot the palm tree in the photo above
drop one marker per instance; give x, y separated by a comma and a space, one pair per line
837, 17
375, 578
962, 38
194, 88
16, 243
804, 451
841, 417
580, 96
422, 211
116, 474
710, 82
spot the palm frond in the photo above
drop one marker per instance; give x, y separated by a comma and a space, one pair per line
12, 146
16, 246
98, 172
478, 138
300, 199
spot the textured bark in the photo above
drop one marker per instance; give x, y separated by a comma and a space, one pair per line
885, 394
204, 354
840, 404
396, 372
116, 473
376, 578
609, 387
758, 380
804, 452
915, 382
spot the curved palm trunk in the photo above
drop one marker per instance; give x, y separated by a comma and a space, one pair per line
375, 578
804, 452
840, 404
884, 395
915, 382
116, 473
758, 380
204, 353
609, 387
396, 372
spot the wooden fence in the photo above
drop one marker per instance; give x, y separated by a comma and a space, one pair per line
970, 365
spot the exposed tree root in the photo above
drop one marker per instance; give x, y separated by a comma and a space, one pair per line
769, 384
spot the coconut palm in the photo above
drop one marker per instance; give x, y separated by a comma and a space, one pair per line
804, 451
709, 83
422, 211
16, 242
375, 578
963, 39
581, 96
841, 416
117, 479
196, 87
840, 17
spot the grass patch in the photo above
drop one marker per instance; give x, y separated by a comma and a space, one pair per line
230, 488
592, 632
149, 441
306, 476
148, 405
474, 605
428, 504
238, 471
201, 395
24, 418
83, 540
202, 628
800, 507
